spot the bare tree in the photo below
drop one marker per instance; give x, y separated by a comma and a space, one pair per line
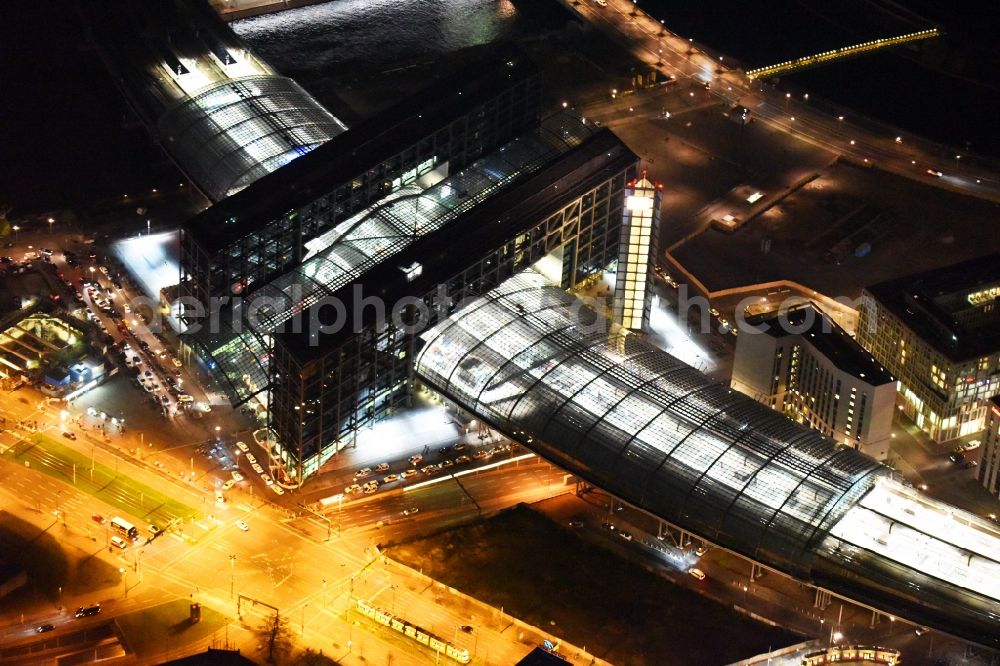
278, 635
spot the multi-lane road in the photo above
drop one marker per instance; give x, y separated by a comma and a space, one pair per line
854, 138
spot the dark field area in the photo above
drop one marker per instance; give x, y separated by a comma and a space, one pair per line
48, 565
543, 572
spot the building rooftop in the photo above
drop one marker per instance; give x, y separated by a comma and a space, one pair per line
953, 308
222, 114
350, 154
445, 251
609, 407
827, 337
377, 235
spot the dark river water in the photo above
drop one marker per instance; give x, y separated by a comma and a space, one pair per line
67, 136
949, 92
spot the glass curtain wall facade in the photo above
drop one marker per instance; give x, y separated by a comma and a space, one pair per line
229, 251
623, 415
239, 353
321, 395
640, 239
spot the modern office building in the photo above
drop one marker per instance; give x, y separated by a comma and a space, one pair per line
286, 217
325, 385
238, 346
989, 465
801, 363
938, 333
220, 112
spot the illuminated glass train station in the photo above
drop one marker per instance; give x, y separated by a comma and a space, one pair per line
474, 197
631, 419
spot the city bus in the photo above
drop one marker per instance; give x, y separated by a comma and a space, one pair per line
125, 528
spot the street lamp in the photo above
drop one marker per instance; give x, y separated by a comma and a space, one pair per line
16, 229
232, 575
51, 221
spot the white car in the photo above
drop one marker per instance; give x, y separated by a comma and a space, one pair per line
414, 459
382, 467
370, 489
390, 478
219, 497
257, 468
242, 446
411, 511
351, 489
242, 524
228, 484
601, 3
267, 479
237, 477
252, 458
363, 472
697, 573
278, 490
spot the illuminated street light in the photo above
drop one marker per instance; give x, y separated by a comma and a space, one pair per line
51, 221
16, 229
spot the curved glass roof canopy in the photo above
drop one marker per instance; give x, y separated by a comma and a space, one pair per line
231, 132
605, 404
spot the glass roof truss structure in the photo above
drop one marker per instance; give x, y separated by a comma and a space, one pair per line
643, 425
370, 238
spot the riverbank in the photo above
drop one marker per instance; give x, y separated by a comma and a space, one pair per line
233, 10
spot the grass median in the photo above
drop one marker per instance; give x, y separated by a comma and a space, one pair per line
44, 454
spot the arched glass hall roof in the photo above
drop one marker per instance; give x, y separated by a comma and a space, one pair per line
631, 419
232, 132
642, 424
